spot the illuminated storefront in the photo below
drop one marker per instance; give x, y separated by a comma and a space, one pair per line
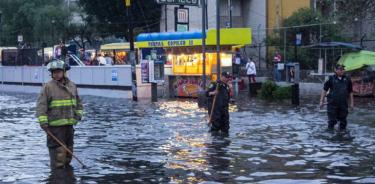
118, 51
183, 50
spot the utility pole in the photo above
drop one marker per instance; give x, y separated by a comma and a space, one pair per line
259, 46
131, 53
206, 13
230, 13
320, 40
202, 99
203, 3
218, 60
1, 31
166, 18
285, 46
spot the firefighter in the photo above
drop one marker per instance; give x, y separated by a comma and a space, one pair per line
218, 104
338, 90
58, 109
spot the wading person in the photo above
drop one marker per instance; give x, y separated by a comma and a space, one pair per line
338, 90
58, 109
218, 104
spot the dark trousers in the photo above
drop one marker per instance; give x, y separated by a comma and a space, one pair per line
59, 157
251, 78
337, 113
64, 133
220, 120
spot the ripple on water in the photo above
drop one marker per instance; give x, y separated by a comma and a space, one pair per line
292, 181
262, 174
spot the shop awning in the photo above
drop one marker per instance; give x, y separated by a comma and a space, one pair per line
231, 36
357, 60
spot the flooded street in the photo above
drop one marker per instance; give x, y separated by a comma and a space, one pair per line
168, 142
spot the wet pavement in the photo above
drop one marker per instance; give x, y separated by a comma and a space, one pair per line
167, 142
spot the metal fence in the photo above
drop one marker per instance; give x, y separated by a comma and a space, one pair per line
94, 76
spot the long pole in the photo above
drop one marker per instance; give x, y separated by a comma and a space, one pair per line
320, 40
259, 46
131, 53
218, 39
166, 18
285, 46
66, 148
295, 51
230, 13
1, 31
203, 2
206, 13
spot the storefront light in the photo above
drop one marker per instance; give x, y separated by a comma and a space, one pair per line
226, 60
170, 57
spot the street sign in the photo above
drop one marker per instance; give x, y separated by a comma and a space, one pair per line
145, 73
298, 39
182, 28
179, 2
20, 38
227, 24
183, 15
181, 19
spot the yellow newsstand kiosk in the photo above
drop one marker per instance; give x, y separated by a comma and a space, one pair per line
183, 51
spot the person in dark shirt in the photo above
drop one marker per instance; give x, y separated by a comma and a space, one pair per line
338, 89
218, 104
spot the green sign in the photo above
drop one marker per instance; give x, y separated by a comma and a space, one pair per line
182, 27
179, 2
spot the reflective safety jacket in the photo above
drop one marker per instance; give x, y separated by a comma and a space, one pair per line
59, 104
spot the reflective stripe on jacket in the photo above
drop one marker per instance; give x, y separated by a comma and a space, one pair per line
59, 104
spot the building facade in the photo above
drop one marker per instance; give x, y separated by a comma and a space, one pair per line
259, 15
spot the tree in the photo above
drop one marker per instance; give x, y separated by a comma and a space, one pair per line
313, 27
38, 21
110, 17
351, 13
82, 33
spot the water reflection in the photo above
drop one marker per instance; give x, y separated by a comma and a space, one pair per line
219, 159
62, 176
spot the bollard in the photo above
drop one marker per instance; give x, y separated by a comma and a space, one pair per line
235, 87
295, 94
154, 92
253, 88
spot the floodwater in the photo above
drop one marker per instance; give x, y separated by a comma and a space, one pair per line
167, 142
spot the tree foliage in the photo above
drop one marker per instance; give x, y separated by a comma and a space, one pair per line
313, 27
37, 20
347, 10
110, 17
353, 14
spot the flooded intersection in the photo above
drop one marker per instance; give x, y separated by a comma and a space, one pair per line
168, 142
